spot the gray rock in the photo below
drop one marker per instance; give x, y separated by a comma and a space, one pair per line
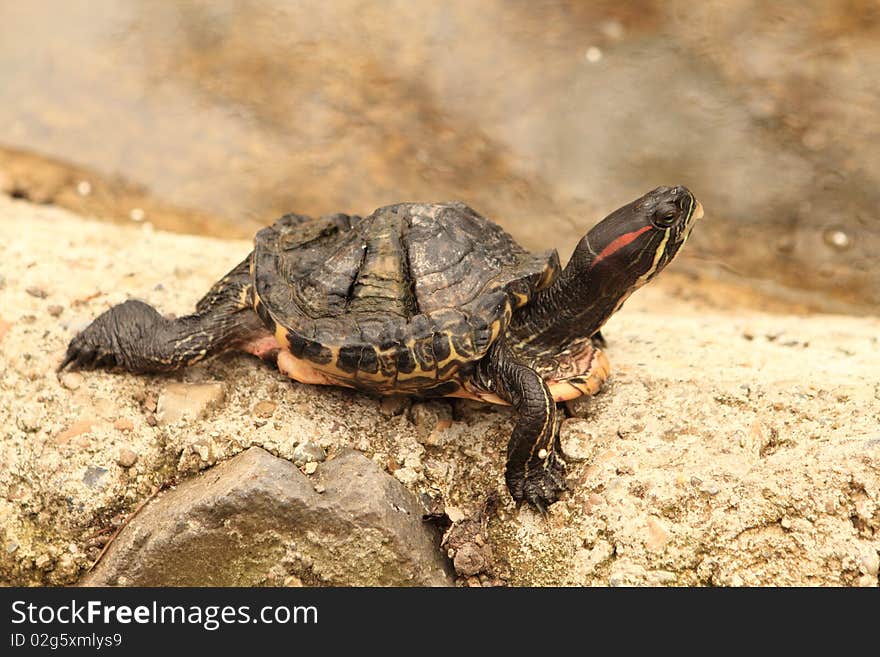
257, 519
308, 453
94, 474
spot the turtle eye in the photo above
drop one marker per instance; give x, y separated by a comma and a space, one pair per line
665, 219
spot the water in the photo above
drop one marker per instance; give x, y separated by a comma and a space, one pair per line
542, 115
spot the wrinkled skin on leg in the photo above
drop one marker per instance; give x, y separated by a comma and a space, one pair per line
134, 337
535, 470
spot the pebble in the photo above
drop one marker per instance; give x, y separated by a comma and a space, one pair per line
469, 560
188, 400
29, 419
93, 474
55, 310
126, 457
123, 424
76, 429
308, 452
311, 467
42, 561
657, 535
37, 292
265, 409
870, 563
406, 476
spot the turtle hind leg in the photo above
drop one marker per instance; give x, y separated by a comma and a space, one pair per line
535, 470
133, 336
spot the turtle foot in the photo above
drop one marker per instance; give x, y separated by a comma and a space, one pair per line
113, 339
542, 486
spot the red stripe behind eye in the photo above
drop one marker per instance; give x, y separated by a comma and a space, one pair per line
619, 243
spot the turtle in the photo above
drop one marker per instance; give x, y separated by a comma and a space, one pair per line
423, 299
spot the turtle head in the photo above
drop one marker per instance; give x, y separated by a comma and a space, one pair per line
634, 243
625, 250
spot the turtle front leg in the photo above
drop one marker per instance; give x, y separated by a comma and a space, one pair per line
535, 469
134, 337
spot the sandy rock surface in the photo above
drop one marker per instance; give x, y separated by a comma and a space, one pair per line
730, 447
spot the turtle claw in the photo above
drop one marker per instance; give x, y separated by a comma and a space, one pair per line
102, 344
84, 356
541, 487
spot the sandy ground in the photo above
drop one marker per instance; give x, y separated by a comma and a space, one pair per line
731, 446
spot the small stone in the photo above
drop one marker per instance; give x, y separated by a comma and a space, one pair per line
308, 452
137, 214
188, 400
785, 522
393, 405
76, 429
83, 188
150, 402
264, 409
292, 581
870, 563
657, 535
311, 467
469, 560
123, 424
55, 310
868, 581
11, 547
710, 488
455, 514
37, 292
126, 457
29, 419
94, 474
42, 561
406, 476
151, 420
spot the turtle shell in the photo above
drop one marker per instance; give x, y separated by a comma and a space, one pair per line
400, 300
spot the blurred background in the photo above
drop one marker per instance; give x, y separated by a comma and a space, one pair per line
216, 116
